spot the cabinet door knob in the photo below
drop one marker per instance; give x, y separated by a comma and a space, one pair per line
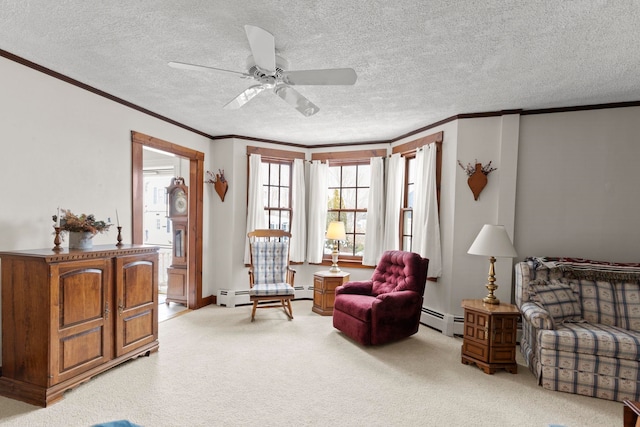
120, 307
106, 310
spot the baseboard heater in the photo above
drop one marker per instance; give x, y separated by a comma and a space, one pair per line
232, 297
448, 324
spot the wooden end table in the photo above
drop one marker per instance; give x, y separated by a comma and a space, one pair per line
631, 413
490, 332
324, 290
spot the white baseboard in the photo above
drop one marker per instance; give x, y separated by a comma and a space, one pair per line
446, 323
233, 297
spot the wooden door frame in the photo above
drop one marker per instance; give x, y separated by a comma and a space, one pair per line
196, 184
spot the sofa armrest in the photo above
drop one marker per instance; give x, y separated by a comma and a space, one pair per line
359, 288
537, 316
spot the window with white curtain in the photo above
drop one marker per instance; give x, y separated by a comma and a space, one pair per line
406, 211
276, 185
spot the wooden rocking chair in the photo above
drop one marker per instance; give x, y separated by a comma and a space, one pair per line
270, 277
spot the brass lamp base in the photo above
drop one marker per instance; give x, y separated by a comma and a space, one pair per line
334, 261
491, 286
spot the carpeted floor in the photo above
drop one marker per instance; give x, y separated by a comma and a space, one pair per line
216, 368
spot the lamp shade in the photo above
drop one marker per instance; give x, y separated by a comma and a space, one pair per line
494, 241
336, 231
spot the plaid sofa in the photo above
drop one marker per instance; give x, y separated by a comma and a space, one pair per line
581, 325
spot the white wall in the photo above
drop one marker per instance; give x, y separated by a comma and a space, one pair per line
64, 146
461, 217
579, 185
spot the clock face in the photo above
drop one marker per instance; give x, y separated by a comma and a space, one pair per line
180, 202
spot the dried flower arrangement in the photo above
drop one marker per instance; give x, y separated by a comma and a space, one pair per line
80, 223
470, 169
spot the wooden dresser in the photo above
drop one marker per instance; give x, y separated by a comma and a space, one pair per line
70, 315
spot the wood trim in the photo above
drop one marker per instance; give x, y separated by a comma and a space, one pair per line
349, 155
412, 146
196, 196
581, 108
137, 193
167, 146
275, 154
15, 58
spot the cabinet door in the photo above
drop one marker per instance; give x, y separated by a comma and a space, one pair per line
476, 335
503, 340
81, 322
136, 298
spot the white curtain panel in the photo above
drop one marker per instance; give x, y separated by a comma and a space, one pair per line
395, 193
318, 181
374, 235
426, 224
256, 217
298, 242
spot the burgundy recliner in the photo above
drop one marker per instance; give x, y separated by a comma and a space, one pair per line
387, 307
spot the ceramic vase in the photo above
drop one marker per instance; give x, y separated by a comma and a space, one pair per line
80, 240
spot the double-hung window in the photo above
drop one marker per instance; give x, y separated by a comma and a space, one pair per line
406, 212
348, 198
276, 187
347, 201
408, 151
276, 172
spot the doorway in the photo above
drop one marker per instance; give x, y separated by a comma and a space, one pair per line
194, 172
159, 169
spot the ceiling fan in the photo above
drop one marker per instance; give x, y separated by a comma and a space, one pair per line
271, 72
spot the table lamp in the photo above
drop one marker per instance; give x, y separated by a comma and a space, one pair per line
492, 241
335, 232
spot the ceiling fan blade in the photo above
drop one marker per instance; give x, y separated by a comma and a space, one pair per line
295, 99
244, 97
263, 47
332, 76
185, 66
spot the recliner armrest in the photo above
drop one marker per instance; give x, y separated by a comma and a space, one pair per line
397, 304
399, 298
357, 287
537, 316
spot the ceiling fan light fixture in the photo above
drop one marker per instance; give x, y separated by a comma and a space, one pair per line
270, 71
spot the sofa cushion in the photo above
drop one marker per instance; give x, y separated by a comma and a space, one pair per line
597, 300
596, 339
628, 305
600, 365
558, 298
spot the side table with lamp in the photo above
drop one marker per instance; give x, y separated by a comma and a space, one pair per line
490, 327
326, 282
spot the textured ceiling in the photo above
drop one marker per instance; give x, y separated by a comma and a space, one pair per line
417, 61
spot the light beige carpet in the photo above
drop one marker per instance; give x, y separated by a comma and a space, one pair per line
216, 368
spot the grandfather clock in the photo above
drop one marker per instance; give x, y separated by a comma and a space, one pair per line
177, 283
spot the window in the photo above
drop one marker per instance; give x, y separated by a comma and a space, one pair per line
406, 212
347, 202
408, 151
276, 183
276, 171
